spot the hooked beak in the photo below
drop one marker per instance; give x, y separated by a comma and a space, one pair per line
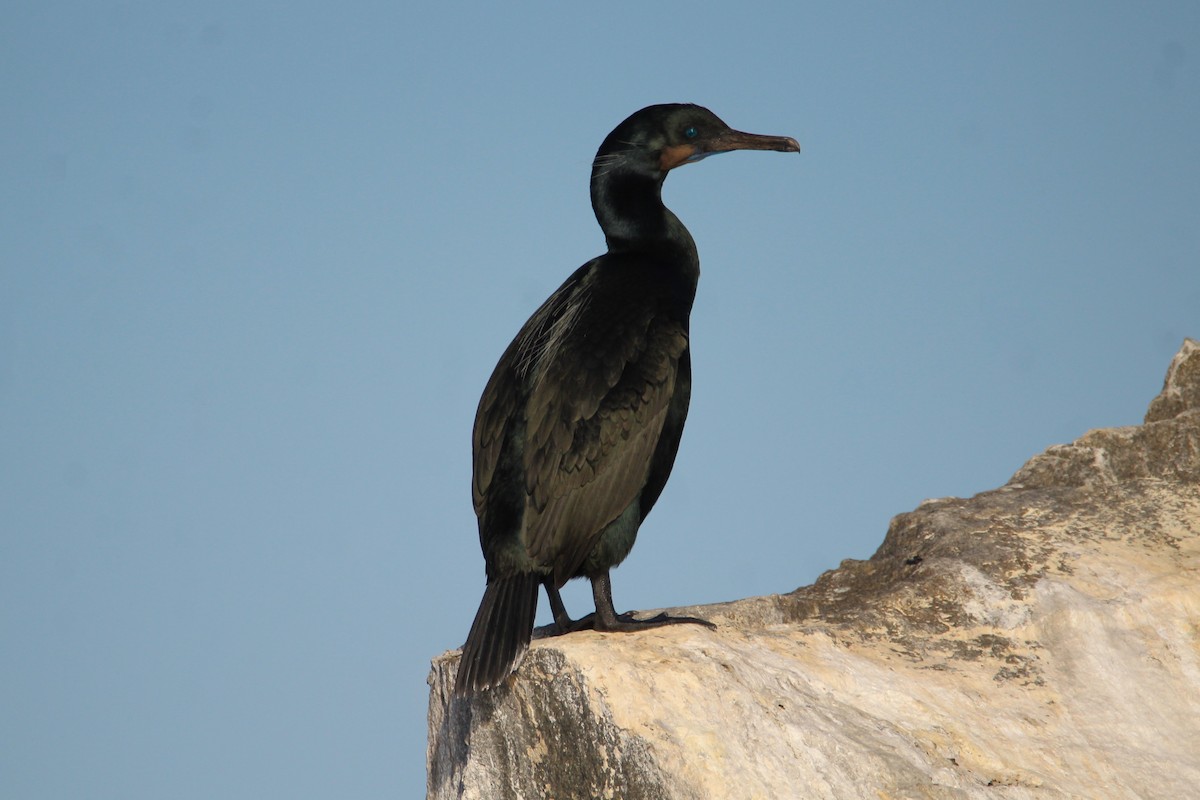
725, 142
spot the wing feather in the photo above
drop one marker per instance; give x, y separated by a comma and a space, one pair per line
589, 456
576, 405
501, 406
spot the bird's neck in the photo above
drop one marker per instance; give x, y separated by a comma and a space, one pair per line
631, 213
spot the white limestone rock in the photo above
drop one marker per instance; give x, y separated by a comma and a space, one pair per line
1038, 641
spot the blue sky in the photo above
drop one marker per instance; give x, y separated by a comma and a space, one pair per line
257, 262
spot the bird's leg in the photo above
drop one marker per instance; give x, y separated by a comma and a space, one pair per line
607, 619
562, 620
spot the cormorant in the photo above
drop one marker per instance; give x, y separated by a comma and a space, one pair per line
578, 427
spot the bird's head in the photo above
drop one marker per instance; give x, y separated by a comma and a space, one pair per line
659, 138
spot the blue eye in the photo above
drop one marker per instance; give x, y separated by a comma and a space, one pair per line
691, 133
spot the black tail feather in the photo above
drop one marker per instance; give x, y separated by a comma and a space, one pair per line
500, 634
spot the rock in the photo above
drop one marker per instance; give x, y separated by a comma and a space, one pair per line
1041, 640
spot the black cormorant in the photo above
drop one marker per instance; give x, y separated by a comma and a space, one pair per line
578, 427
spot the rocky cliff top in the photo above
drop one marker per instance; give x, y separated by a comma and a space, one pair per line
1039, 640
